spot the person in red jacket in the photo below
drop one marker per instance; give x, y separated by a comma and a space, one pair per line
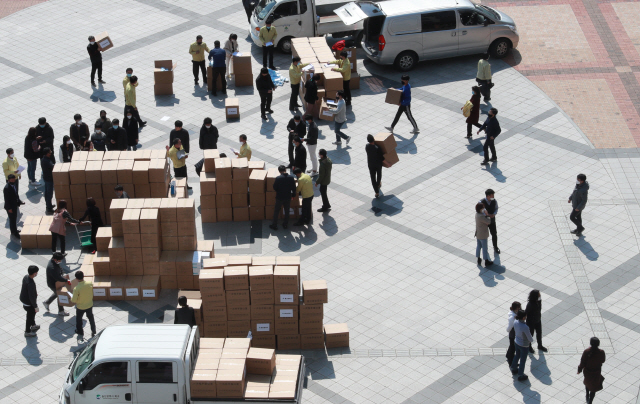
474, 118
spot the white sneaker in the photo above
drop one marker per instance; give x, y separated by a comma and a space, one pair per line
336, 143
389, 128
415, 130
34, 183
81, 340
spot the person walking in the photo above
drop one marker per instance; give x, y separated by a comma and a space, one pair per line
10, 166
591, 363
178, 157
44, 135
208, 135
32, 154
578, 201
295, 75
47, 162
296, 128
285, 187
344, 68
230, 47
491, 205
265, 88
126, 80
95, 219
474, 113
482, 235
312, 143
197, 51
311, 95
300, 159
180, 133
58, 229
98, 139
375, 161
83, 298
513, 311
218, 68
249, 5
79, 133
185, 314
267, 36
405, 106
55, 274
522, 339
483, 77
492, 129
29, 300
96, 60
305, 188
340, 112
534, 318
245, 150
120, 192
66, 149
132, 131
324, 179
11, 203
117, 136
130, 100
105, 123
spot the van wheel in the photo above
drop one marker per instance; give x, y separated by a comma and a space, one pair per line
406, 61
499, 48
285, 45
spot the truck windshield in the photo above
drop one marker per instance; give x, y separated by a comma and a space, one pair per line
84, 359
264, 7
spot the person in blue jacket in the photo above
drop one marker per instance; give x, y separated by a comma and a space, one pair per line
405, 106
218, 56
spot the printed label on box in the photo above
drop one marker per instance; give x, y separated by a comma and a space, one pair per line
263, 327
115, 292
286, 298
64, 299
104, 43
326, 113
100, 292
232, 111
132, 292
284, 313
148, 293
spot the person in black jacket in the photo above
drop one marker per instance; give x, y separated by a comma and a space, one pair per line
285, 187
492, 128
11, 203
98, 139
300, 160
32, 154
180, 133
117, 135
534, 318
29, 300
185, 314
96, 60
44, 135
311, 94
312, 144
296, 128
208, 135
66, 149
265, 87
55, 274
130, 125
249, 5
47, 162
95, 219
79, 133
375, 161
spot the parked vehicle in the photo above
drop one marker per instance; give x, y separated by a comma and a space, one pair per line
404, 32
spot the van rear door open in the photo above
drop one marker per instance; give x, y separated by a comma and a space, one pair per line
353, 13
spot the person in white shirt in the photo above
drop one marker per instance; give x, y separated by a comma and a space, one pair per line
522, 340
230, 47
513, 311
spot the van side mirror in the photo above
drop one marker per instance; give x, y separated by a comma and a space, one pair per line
487, 22
81, 387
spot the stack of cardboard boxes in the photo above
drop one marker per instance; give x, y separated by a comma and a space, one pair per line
387, 143
35, 232
163, 77
241, 68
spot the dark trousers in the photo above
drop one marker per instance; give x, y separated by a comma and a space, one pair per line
215, 71
290, 151
267, 51
338, 130
590, 395
346, 87
407, 110
96, 65
306, 209
94, 232
31, 169
202, 67
489, 144
54, 242
537, 330
249, 12
134, 113
325, 199
281, 203
265, 102
295, 94
485, 88
13, 220
376, 177
48, 194
512, 347
31, 317
92, 321
494, 233
576, 218
53, 297
469, 125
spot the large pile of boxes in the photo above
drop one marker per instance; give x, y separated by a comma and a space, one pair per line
35, 232
142, 173
315, 51
387, 143
163, 77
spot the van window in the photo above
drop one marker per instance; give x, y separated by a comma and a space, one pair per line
405, 25
440, 21
286, 10
470, 18
155, 372
106, 373
303, 6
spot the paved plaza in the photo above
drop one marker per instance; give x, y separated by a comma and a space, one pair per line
427, 325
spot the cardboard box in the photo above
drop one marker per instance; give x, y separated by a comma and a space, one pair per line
288, 341
240, 201
238, 329
223, 188
77, 173
232, 364
315, 292
336, 335
61, 174
224, 214
223, 169
257, 386
169, 210
261, 277
151, 240
102, 264
354, 83
238, 343
230, 383
240, 187
104, 41
187, 243
211, 279
158, 170
219, 261
237, 298
240, 169
257, 213
132, 240
272, 173
168, 282
243, 80
140, 174
216, 329
258, 201
232, 108
242, 64
162, 88
385, 141
264, 341
131, 221
238, 313
150, 268
95, 191
65, 294
262, 312
133, 254
286, 277
240, 214
391, 158
209, 160
168, 263
208, 215
117, 250
285, 312
264, 260
186, 229
132, 288
116, 290
261, 361
287, 296
43, 236
310, 325
258, 181
211, 343
29, 237
150, 254
311, 311
394, 96
286, 326
150, 287
312, 341
256, 165
290, 361
103, 237
325, 114
213, 313
203, 384
163, 71
186, 210
101, 285
125, 171
207, 183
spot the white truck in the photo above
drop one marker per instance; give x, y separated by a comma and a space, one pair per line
143, 364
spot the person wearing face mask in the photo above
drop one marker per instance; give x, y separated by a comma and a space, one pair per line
11, 203
96, 60
98, 139
324, 179
245, 150
208, 135
79, 133
55, 274
29, 300
340, 112
44, 135
311, 95
130, 126
105, 123
474, 114
522, 339
32, 154
513, 311
130, 100
305, 188
10, 166
482, 235
578, 201
47, 162
230, 47
117, 135
296, 128
484, 77
218, 68
268, 35
300, 159
58, 227
285, 188
491, 205
265, 88
197, 51
312, 143
492, 129
405, 106
178, 159
66, 149
126, 80
295, 75
180, 133
534, 318
344, 68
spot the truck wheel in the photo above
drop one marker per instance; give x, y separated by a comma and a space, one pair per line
285, 45
406, 61
499, 48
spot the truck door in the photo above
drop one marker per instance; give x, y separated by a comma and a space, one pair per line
439, 34
107, 382
157, 382
288, 20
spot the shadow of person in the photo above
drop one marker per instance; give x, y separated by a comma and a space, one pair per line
540, 370
497, 267
528, 396
340, 155
475, 145
586, 248
61, 330
487, 276
201, 92
407, 146
328, 225
268, 127
493, 169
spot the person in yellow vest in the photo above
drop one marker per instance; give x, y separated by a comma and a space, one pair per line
126, 81
344, 67
268, 36
295, 73
10, 166
198, 50
83, 298
305, 188
130, 99
484, 77
179, 161
245, 150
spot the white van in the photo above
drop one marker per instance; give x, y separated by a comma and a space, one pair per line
404, 32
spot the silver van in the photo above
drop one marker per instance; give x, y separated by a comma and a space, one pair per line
404, 32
